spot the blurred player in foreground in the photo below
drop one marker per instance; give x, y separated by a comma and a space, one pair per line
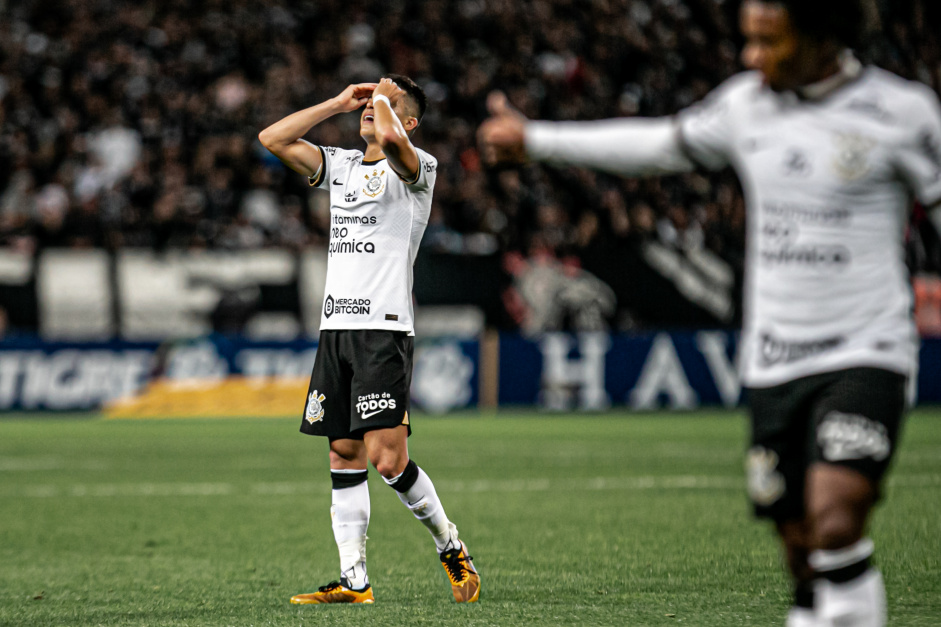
380, 201
828, 152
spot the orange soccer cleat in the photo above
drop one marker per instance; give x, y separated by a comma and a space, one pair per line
465, 582
335, 592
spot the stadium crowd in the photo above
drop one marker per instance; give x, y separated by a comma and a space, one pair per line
134, 123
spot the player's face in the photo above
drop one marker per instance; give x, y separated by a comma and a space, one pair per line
367, 127
772, 45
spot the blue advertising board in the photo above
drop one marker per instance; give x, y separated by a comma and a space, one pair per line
597, 370
677, 370
59, 376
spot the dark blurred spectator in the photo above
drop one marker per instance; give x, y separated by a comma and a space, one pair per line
551, 294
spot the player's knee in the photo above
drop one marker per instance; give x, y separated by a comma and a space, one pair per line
839, 500
837, 526
385, 468
388, 464
344, 456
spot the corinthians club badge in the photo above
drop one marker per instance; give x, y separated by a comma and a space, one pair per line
851, 158
314, 411
374, 184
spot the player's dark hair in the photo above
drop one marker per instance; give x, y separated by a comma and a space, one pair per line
845, 21
411, 88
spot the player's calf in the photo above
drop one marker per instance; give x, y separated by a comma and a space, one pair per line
796, 539
849, 590
349, 514
417, 493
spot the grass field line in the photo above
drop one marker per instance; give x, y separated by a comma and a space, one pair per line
164, 489
27, 464
48, 462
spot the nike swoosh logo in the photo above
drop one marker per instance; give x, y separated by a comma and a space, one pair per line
410, 504
371, 414
337, 182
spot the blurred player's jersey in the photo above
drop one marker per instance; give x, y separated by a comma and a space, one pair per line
828, 185
376, 224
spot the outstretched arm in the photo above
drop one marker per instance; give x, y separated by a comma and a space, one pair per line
283, 138
628, 146
392, 134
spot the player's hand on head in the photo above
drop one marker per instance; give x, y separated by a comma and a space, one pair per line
355, 96
502, 136
389, 89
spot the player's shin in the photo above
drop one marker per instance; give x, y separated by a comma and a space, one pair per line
849, 591
350, 516
418, 494
794, 534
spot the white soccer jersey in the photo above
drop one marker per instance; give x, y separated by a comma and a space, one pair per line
828, 186
376, 224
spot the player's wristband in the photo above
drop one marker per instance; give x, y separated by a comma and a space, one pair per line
381, 98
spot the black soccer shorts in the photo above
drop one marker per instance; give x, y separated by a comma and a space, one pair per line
360, 382
849, 417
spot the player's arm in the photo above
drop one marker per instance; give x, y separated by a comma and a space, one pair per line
918, 158
283, 138
629, 146
391, 134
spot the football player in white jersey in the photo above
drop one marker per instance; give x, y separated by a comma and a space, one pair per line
829, 153
359, 388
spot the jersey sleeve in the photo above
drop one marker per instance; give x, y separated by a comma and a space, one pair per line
330, 157
427, 172
707, 128
621, 146
919, 156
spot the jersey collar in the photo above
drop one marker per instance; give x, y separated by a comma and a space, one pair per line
850, 70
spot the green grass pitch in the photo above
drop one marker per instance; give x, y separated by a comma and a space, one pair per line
613, 519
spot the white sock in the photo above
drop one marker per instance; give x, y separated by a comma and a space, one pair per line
801, 617
856, 603
350, 514
840, 601
423, 501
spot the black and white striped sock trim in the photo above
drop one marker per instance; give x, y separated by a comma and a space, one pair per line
842, 565
347, 478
